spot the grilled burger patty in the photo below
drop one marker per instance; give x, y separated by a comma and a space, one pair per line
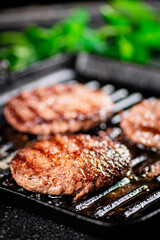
75, 164
142, 123
58, 109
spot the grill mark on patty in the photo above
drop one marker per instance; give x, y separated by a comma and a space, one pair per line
58, 109
15, 113
36, 168
80, 164
50, 156
34, 108
142, 123
20, 118
23, 159
60, 115
46, 155
146, 129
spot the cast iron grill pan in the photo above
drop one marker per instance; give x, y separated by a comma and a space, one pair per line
132, 200
131, 75
33, 72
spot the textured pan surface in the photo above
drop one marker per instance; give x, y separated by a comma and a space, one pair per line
134, 199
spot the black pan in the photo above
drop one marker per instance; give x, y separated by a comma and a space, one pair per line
133, 201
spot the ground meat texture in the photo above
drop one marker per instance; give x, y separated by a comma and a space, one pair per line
142, 123
154, 169
59, 108
70, 165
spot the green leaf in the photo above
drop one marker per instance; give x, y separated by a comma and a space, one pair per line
19, 57
126, 49
134, 10
10, 38
79, 16
113, 17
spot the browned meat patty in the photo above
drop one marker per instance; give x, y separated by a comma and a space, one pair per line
58, 109
142, 123
75, 164
154, 169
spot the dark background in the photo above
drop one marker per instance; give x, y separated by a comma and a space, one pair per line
11, 4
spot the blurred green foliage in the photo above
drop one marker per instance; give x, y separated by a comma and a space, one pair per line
136, 30
71, 35
131, 32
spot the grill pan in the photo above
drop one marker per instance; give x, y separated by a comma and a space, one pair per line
131, 202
